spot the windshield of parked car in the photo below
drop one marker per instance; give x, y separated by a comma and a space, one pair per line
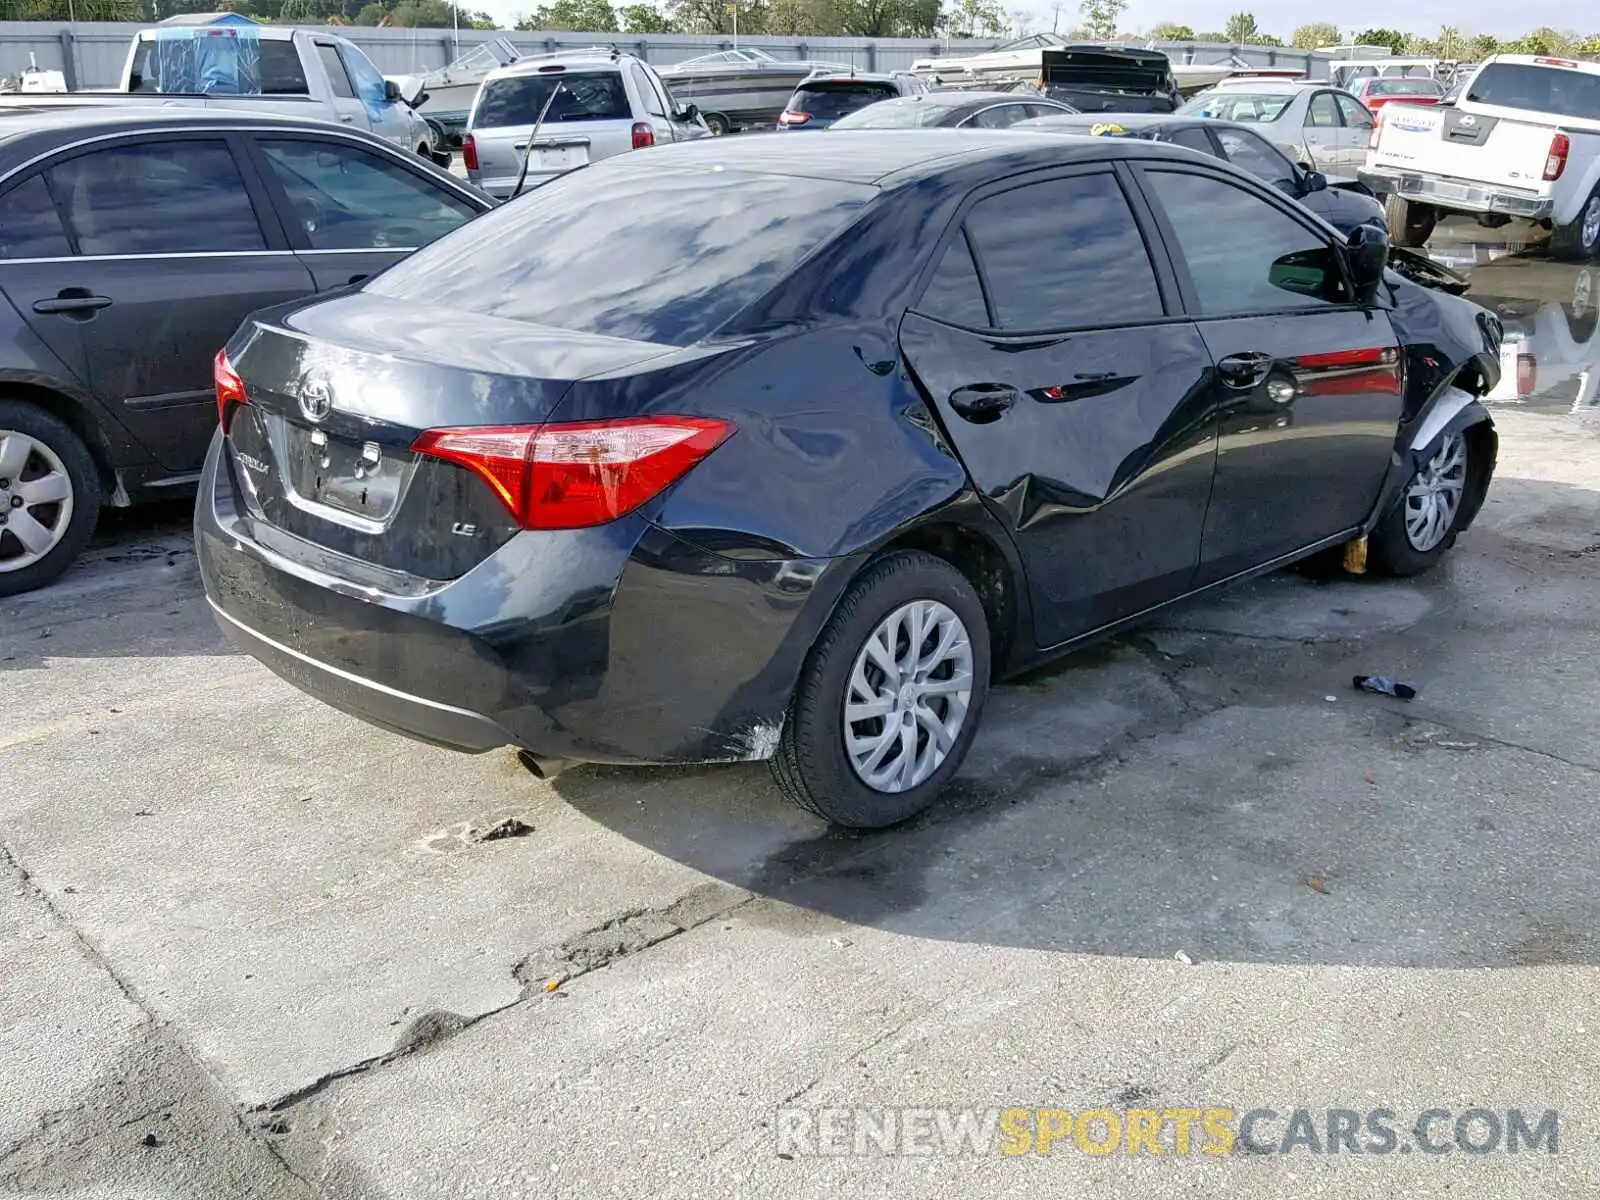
907, 112
223, 62
583, 96
828, 100
1403, 87
1238, 106
658, 255
1559, 91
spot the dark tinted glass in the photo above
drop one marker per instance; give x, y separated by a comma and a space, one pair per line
1244, 255
1064, 254
337, 75
1195, 139
345, 198
157, 198
648, 96
998, 117
180, 66
29, 224
1252, 154
1556, 90
1322, 111
657, 255
1404, 87
907, 112
517, 100
954, 293
830, 101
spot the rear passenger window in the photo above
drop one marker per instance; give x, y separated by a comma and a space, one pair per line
338, 77
1062, 254
162, 197
1244, 254
954, 293
30, 227
1194, 139
1322, 111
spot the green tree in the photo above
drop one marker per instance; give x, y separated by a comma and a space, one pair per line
1483, 45
644, 18
1100, 17
1212, 36
1543, 40
1452, 42
1171, 31
583, 16
1241, 27
1421, 46
371, 14
298, 12
1589, 47
1392, 38
972, 19
1318, 33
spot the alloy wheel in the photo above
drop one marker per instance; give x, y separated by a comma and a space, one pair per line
907, 699
1434, 497
35, 500
1591, 223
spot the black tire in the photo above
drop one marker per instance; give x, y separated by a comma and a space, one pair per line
1568, 242
84, 476
717, 124
1410, 225
423, 151
1390, 551
811, 766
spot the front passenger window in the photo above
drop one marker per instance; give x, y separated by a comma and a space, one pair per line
1322, 111
998, 117
1244, 254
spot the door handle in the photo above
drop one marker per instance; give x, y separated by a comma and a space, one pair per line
1244, 371
347, 118
78, 303
981, 403
357, 278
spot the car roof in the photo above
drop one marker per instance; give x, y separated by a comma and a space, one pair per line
844, 76
597, 59
1279, 87
1125, 120
955, 99
891, 157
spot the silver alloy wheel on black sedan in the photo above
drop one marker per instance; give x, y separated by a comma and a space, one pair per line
908, 694
1434, 496
36, 500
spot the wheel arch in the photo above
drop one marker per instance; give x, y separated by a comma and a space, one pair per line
78, 416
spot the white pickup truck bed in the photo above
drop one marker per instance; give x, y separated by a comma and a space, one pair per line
1522, 141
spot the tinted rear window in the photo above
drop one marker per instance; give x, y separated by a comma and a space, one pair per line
198, 66
656, 255
1404, 87
905, 113
517, 100
1554, 90
830, 101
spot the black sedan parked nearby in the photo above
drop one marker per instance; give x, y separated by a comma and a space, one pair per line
954, 110
786, 447
132, 244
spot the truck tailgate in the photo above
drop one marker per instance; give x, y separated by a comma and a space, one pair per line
1459, 145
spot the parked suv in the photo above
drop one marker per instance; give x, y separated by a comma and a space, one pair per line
594, 103
828, 95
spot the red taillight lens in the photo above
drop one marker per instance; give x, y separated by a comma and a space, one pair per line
579, 473
794, 118
1377, 128
1556, 161
1527, 375
230, 388
643, 135
469, 153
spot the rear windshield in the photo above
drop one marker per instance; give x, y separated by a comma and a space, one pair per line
830, 101
1238, 106
909, 112
518, 99
664, 255
1555, 90
1404, 87
217, 66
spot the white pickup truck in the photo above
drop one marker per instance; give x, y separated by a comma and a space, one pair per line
1522, 140
289, 72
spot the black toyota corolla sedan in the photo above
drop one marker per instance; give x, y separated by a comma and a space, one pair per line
788, 448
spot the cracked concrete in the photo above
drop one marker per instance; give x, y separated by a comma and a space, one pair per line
1171, 872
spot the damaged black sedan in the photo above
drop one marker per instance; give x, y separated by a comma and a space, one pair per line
789, 449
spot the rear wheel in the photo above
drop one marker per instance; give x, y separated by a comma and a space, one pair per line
1579, 239
890, 695
49, 497
717, 124
1417, 531
1410, 224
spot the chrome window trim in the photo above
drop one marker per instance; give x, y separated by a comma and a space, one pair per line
88, 258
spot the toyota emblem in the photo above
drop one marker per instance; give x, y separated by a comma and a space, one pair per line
316, 399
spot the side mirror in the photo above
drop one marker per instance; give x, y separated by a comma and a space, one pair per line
689, 112
391, 91
412, 90
1313, 181
1367, 252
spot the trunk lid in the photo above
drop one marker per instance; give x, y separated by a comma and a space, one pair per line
1463, 145
338, 392
1100, 78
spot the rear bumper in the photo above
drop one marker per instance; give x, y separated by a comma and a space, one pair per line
1456, 195
621, 644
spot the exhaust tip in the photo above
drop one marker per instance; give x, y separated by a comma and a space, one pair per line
544, 768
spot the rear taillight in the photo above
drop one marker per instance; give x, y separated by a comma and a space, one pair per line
1556, 161
230, 388
1527, 375
1377, 128
469, 153
581, 473
794, 118
643, 135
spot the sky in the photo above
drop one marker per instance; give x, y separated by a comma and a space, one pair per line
1277, 17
